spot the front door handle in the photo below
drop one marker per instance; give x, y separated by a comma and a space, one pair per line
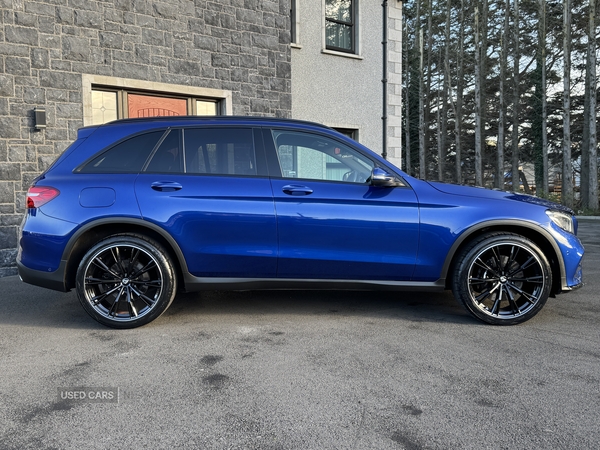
296, 189
166, 186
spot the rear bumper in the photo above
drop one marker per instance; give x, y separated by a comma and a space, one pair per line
51, 280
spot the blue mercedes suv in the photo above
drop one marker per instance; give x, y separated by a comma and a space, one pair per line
137, 210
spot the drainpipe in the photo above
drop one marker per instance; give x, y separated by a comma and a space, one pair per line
384, 81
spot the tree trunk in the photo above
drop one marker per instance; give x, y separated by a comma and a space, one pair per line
592, 194
460, 93
502, 107
427, 97
567, 168
516, 101
584, 174
483, 73
445, 90
422, 171
440, 151
407, 115
544, 186
539, 126
477, 37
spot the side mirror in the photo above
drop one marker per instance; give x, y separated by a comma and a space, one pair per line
381, 178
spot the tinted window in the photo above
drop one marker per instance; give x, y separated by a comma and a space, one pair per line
223, 151
128, 156
305, 155
168, 156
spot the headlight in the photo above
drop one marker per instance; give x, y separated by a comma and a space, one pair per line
563, 220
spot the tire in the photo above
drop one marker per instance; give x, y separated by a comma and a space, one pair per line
502, 278
126, 281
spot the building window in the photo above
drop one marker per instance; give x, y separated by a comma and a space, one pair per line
144, 105
207, 108
350, 132
111, 104
294, 21
340, 25
104, 106
110, 98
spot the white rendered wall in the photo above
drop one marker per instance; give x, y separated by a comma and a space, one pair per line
345, 91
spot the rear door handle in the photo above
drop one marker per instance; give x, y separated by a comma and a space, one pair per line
296, 189
166, 186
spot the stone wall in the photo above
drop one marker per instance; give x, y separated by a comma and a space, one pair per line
45, 46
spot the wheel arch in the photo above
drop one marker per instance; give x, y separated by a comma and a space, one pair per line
541, 237
93, 232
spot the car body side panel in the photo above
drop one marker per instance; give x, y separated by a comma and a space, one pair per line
224, 225
42, 241
449, 219
82, 199
346, 231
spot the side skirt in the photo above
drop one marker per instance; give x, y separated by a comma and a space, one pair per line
192, 284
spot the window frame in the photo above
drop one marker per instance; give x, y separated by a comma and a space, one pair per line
353, 25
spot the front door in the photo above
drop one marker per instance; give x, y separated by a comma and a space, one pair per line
332, 223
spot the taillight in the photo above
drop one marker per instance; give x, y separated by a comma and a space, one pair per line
40, 195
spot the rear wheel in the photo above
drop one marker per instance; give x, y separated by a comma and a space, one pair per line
126, 281
502, 278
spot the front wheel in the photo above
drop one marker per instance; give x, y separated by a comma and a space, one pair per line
502, 278
126, 281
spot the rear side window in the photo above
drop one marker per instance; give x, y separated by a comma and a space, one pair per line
222, 151
127, 156
168, 156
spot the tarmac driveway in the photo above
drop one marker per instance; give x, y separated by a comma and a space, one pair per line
301, 370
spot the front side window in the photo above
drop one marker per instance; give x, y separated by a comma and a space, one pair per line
311, 156
340, 24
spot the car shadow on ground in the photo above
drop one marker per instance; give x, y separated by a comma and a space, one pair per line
407, 306
26, 305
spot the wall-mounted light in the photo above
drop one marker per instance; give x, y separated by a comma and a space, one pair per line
39, 118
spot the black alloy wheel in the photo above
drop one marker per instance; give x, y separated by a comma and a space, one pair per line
126, 281
502, 278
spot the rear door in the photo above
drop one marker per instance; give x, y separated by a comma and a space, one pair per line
208, 188
332, 223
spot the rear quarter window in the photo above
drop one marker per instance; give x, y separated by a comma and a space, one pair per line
128, 156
